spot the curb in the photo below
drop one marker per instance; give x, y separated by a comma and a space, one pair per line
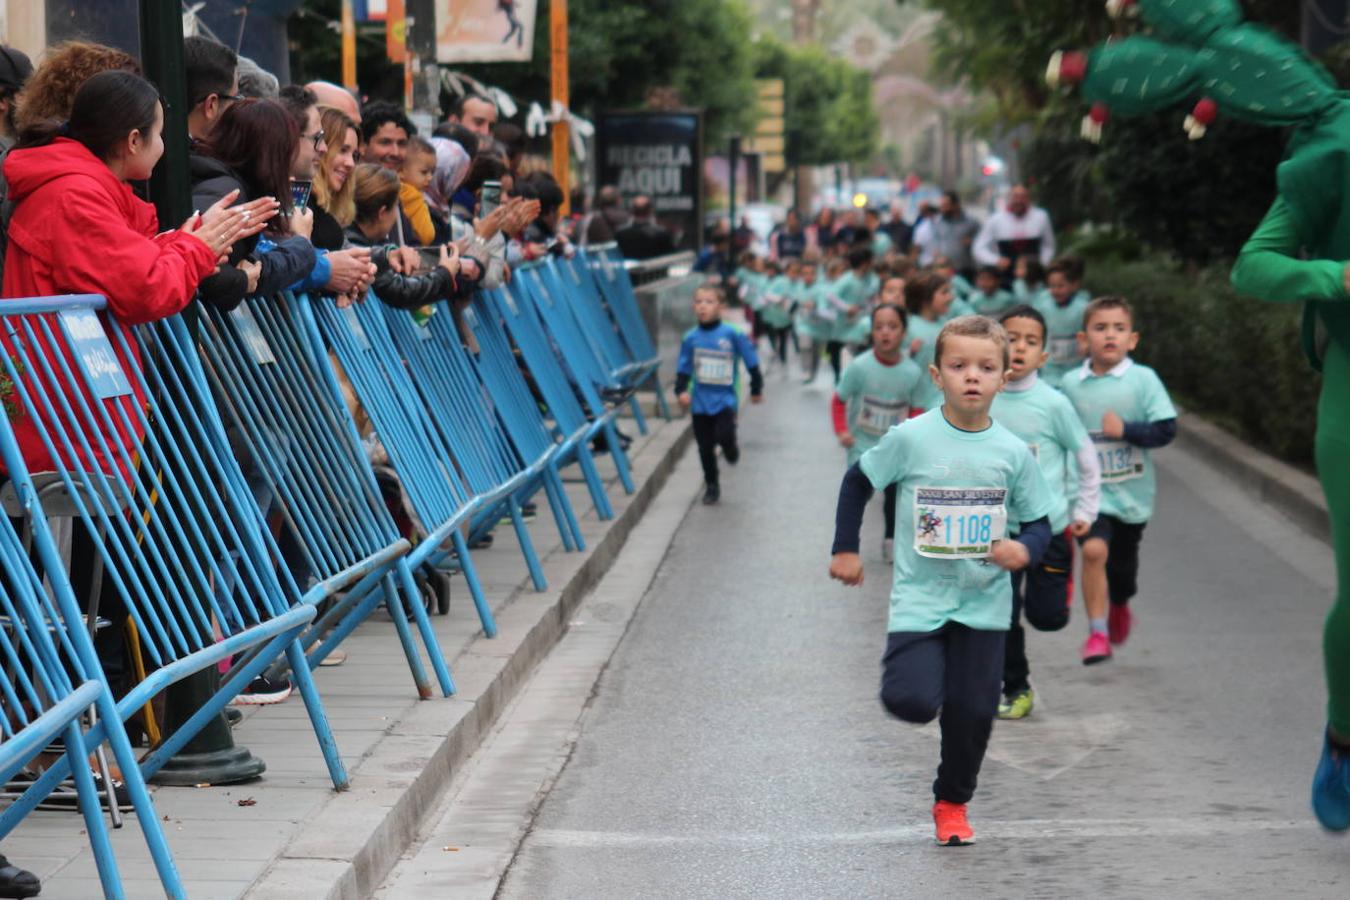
1295, 493
348, 848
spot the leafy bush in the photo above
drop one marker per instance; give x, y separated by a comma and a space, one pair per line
1236, 361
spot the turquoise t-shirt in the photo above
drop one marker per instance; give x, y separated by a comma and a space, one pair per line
776, 301
958, 492
881, 243
1047, 421
878, 397
1136, 394
1026, 293
991, 304
958, 308
1062, 324
852, 290
927, 396
961, 287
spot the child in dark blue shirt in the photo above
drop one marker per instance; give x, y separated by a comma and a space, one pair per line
709, 359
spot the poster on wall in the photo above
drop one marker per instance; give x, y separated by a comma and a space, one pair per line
660, 155
484, 30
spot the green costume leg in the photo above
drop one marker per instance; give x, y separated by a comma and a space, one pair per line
1333, 451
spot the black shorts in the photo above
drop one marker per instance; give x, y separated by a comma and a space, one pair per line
1112, 530
1045, 591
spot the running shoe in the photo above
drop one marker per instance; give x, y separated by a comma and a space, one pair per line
1096, 649
16, 882
1118, 622
263, 691
1331, 787
949, 819
1018, 706
712, 495
888, 550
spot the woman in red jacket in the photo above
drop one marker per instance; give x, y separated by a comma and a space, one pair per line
77, 228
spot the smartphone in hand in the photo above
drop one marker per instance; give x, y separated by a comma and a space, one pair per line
492, 198
300, 193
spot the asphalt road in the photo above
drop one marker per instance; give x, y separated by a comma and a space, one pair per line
735, 746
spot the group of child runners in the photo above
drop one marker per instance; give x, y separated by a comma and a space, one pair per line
1005, 423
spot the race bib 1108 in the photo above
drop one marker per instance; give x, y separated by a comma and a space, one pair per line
958, 523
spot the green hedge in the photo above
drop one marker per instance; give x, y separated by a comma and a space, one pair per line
1236, 361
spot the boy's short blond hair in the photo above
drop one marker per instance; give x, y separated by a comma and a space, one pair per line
972, 327
1110, 302
716, 288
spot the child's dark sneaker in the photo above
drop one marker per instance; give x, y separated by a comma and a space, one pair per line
711, 495
950, 821
264, 691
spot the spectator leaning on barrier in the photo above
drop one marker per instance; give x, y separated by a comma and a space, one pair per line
385, 132
332, 189
452, 167
250, 150
376, 199
212, 71
343, 272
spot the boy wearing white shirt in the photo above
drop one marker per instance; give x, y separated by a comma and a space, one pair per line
1127, 411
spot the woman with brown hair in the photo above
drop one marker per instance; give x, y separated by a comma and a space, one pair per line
50, 92
333, 207
250, 150
377, 206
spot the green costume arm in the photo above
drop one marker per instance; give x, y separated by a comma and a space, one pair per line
1269, 268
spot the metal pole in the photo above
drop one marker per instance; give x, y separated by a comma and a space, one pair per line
562, 147
211, 757
348, 46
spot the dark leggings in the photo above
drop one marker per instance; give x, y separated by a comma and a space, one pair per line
836, 351
888, 507
778, 339
711, 432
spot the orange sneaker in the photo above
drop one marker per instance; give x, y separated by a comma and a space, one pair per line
952, 828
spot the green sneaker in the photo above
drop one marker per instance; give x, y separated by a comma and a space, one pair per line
1018, 706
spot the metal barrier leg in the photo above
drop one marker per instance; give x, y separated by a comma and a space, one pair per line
593, 481
527, 548
304, 680
423, 621
395, 607
638, 418
134, 782
661, 403
620, 458
562, 509
475, 588
78, 755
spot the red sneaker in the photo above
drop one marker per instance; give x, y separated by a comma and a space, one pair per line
1118, 622
950, 821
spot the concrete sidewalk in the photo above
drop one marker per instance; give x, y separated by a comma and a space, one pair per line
299, 838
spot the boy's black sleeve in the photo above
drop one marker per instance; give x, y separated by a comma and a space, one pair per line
756, 381
681, 382
1151, 435
853, 496
1035, 536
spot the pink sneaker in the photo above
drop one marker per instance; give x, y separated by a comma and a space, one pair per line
1118, 622
1097, 649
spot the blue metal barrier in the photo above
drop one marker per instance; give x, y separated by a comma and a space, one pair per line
559, 387
524, 420
359, 337
51, 678
282, 402
123, 419
468, 422
607, 267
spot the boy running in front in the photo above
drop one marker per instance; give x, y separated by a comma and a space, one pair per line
963, 480
710, 358
1047, 421
1127, 411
